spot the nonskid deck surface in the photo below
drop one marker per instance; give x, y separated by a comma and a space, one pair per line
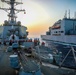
5, 68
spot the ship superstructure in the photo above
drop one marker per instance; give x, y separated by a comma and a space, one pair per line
62, 29
12, 29
62, 36
15, 34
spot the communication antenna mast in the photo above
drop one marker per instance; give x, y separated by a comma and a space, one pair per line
69, 13
12, 11
75, 15
65, 16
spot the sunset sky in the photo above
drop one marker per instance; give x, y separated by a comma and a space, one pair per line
40, 14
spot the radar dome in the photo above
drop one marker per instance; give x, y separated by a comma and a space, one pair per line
19, 23
5, 22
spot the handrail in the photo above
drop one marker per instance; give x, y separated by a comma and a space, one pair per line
73, 51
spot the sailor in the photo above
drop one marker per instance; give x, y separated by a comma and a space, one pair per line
10, 42
4, 43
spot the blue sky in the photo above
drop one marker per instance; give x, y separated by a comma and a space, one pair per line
58, 6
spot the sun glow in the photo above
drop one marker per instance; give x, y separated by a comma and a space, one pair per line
36, 18
34, 14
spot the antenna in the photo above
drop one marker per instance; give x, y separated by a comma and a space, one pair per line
65, 16
69, 13
75, 15
12, 11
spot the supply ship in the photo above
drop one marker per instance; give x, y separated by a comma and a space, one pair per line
61, 37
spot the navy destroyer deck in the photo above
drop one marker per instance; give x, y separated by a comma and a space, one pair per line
5, 68
46, 69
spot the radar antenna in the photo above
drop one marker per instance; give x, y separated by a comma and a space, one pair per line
12, 11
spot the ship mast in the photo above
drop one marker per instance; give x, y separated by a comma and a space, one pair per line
12, 11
